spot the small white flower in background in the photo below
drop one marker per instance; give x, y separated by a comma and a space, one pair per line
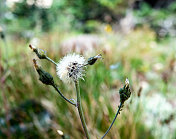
71, 68
60, 132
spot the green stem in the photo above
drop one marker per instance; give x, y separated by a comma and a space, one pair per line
79, 106
55, 86
121, 105
49, 59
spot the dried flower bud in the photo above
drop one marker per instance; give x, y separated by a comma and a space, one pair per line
125, 92
32, 47
44, 76
93, 59
39, 52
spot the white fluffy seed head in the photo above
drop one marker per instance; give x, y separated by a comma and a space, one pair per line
71, 68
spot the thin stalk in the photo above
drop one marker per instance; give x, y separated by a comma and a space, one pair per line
121, 104
79, 106
49, 59
55, 86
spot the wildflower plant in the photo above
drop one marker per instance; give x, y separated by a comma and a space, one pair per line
70, 69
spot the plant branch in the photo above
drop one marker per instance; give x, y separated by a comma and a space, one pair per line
49, 59
125, 93
41, 54
118, 112
47, 79
79, 106
56, 88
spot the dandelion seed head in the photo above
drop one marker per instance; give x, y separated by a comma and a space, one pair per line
71, 68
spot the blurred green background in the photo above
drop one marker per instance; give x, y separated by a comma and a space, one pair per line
136, 39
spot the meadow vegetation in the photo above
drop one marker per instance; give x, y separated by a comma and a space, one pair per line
30, 109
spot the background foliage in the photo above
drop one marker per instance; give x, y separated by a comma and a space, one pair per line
136, 39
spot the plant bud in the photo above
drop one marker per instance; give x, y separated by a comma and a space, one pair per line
125, 92
39, 52
44, 76
93, 59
